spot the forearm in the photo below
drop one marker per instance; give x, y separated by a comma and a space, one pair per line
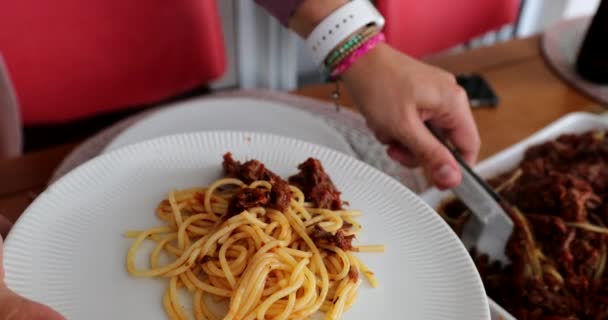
310, 13
300, 15
281, 9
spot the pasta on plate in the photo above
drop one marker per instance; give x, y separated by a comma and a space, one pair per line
271, 249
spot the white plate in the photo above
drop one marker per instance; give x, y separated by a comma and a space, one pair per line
67, 249
507, 159
236, 114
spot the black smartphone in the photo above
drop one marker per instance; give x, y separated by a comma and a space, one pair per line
478, 90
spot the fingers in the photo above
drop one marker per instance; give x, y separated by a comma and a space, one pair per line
437, 161
16, 307
402, 155
383, 137
458, 123
413, 145
397, 151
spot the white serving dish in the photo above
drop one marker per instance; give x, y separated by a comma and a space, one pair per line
507, 159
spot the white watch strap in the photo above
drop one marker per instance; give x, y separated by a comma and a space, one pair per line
339, 25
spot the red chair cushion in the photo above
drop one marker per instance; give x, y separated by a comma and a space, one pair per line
70, 59
420, 27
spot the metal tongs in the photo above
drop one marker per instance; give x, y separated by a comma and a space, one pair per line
489, 227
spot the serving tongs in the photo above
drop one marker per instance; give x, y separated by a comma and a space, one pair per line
489, 227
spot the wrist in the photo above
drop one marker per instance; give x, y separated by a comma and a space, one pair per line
310, 13
360, 59
347, 21
360, 69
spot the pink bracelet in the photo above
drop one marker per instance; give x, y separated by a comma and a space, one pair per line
360, 52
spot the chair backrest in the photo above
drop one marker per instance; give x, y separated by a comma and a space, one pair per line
71, 59
422, 27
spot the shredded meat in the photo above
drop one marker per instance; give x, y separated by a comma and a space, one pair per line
254, 170
248, 172
312, 180
280, 195
316, 185
562, 182
340, 240
247, 198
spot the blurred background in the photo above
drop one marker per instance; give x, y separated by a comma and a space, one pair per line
77, 68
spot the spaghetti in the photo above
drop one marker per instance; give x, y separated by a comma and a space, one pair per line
266, 247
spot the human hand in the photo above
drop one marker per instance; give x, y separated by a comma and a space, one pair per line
397, 95
13, 306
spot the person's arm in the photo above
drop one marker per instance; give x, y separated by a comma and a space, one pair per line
397, 95
281, 9
300, 15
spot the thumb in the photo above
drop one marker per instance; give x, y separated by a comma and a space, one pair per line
438, 163
15, 307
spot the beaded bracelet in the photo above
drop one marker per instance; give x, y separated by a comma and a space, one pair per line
364, 36
349, 45
343, 48
361, 51
348, 52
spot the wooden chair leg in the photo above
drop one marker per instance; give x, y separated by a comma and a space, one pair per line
10, 121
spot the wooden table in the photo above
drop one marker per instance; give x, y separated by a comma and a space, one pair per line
531, 97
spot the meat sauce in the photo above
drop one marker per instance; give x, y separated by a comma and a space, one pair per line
316, 185
312, 179
251, 171
558, 191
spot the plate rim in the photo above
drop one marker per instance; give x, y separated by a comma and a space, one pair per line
180, 106
67, 179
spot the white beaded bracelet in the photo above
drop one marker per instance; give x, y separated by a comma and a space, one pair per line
340, 24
